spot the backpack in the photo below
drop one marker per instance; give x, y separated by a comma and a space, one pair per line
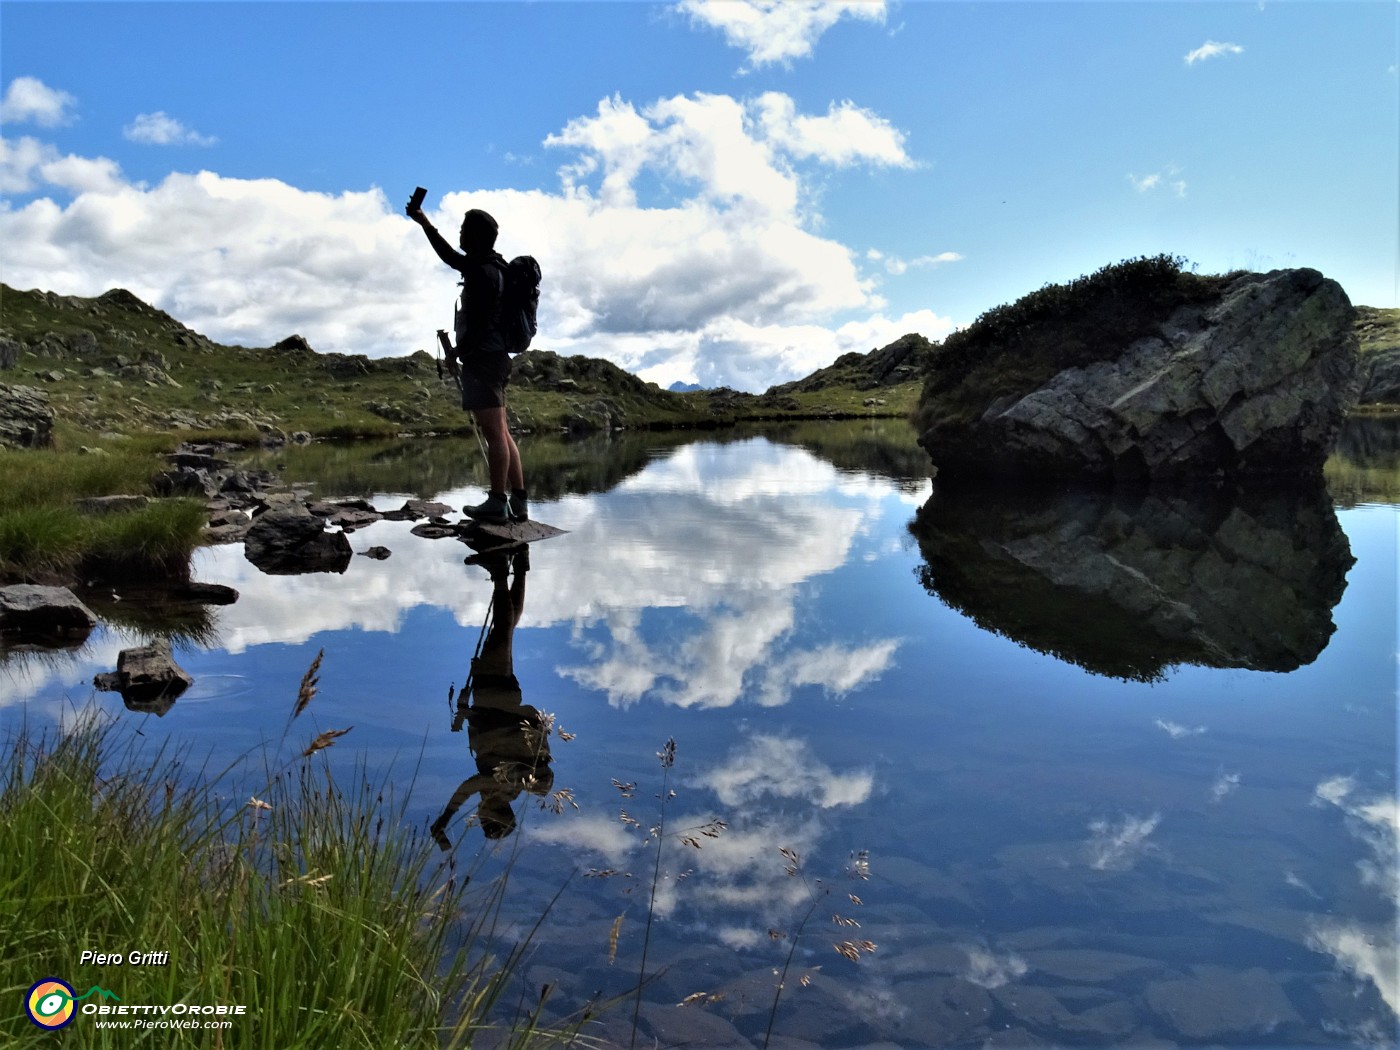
520, 300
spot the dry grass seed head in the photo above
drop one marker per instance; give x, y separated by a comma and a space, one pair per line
309, 683
557, 801
852, 949
702, 999
326, 739
793, 861
859, 866
612, 939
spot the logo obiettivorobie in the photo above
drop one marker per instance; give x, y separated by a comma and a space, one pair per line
49, 1003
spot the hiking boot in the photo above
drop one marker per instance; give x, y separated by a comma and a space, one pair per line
519, 506
495, 561
520, 560
494, 511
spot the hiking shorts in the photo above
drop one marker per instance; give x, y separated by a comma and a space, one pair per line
484, 378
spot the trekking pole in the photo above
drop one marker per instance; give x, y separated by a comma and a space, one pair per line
461, 712
446, 345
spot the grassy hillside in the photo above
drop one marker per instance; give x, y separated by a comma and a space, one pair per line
114, 363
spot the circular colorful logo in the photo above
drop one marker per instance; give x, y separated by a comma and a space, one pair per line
49, 1003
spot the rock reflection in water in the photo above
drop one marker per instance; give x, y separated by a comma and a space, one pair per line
1129, 583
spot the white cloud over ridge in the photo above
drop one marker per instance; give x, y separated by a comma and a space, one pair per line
777, 31
722, 282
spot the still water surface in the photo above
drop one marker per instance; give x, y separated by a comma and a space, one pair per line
1097, 773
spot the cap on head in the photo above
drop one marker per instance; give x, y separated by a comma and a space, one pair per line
478, 231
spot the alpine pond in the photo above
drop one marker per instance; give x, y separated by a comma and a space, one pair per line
960, 770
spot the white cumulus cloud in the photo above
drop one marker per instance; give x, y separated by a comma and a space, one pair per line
1116, 846
29, 99
1225, 785
723, 280
1168, 180
27, 162
1370, 953
161, 129
772, 767
895, 265
1211, 49
846, 134
777, 31
1176, 730
992, 969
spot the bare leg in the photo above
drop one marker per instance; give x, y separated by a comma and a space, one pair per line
502, 455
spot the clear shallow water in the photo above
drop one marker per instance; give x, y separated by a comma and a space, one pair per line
1087, 848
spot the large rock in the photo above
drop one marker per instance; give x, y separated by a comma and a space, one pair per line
1127, 584
1253, 380
26, 420
1382, 378
147, 677
291, 540
1378, 331
47, 614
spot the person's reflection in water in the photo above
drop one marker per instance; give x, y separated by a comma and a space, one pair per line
509, 739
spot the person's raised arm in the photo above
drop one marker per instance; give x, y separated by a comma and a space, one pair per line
445, 251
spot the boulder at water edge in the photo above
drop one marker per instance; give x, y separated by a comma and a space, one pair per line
1176, 377
291, 540
30, 612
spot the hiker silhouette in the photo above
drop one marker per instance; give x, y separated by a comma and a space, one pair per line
508, 738
481, 360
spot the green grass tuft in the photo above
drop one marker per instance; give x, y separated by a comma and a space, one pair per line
43, 532
315, 906
153, 541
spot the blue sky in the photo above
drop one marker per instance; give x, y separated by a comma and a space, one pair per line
732, 193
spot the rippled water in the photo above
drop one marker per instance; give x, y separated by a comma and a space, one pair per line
1097, 772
